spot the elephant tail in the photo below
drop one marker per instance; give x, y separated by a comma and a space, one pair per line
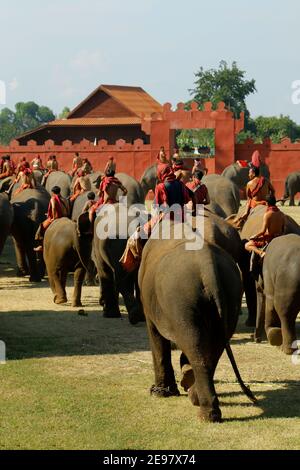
244, 387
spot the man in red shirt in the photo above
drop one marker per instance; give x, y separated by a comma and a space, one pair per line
198, 188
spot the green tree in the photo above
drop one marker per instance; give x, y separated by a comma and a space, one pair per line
272, 127
64, 113
226, 84
26, 117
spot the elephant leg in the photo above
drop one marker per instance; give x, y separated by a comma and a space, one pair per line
33, 266
109, 296
202, 393
250, 291
79, 275
287, 311
260, 318
188, 378
165, 384
292, 199
20, 257
59, 288
134, 308
272, 324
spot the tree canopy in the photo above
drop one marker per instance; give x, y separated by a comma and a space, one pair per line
226, 83
26, 116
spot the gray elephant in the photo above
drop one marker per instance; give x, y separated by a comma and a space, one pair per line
281, 292
61, 179
240, 175
224, 195
113, 278
149, 179
6, 219
67, 248
30, 208
252, 226
291, 187
192, 298
5, 183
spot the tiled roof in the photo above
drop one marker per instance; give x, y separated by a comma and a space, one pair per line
119, 121
133, 98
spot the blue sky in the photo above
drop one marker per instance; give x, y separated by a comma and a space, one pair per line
55, 52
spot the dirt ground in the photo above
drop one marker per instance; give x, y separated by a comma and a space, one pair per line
82, 382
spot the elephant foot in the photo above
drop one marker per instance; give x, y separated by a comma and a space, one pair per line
76, 303
101, 302
135, 316
188, 378
35, 279
193, 396
164, 392
22, 272
60, 300
287, 349
212, 416
111, 314
275, 336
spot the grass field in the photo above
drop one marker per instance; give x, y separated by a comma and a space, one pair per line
74, 382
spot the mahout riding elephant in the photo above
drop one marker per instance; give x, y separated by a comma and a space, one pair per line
6, 219
135, 192
291, 187
252, 226
61, 179
281, 291
192, 298
240, 175
67, 248
224, 195
30, 208
112, 277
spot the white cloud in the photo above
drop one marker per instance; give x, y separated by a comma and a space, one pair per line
14, 84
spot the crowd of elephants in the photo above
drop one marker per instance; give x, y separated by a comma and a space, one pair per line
191, 298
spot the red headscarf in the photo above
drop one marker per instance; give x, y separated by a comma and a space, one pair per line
255, 159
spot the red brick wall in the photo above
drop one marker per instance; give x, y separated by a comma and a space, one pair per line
282, 159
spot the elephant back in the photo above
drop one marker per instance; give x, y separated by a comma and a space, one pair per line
61, 179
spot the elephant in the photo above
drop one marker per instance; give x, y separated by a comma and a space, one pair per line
67, 248
292, 187
6, 219
251, 227
6, 182
112, 277
193, 299
61, 179
38, 176
281, 291
224, 195
30, 207
239, 175
149, 179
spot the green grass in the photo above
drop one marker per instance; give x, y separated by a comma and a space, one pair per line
75, 382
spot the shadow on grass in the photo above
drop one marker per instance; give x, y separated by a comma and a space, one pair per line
35, 334
281, 402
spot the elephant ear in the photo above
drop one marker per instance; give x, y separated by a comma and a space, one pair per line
84, 226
